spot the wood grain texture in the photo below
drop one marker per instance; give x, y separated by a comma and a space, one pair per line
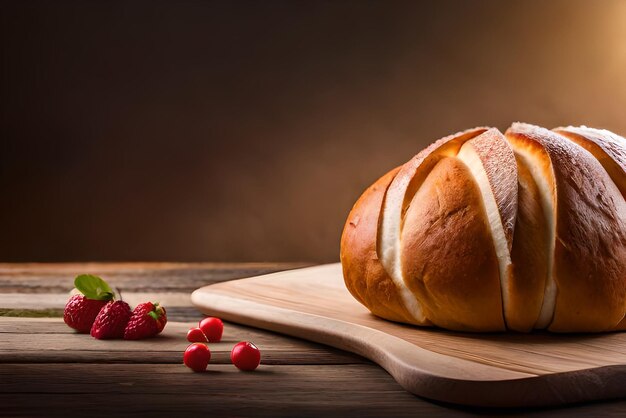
58, 300
45, 367
272, 391
49, 340
504, 369
130, 277
172, 390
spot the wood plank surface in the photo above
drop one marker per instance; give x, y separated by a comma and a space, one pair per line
47, 370
170, 390
49, 340
45, 278
498, 369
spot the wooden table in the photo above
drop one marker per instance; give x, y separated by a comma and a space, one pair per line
47, 370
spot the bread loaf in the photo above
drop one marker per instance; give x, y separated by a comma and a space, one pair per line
484, 231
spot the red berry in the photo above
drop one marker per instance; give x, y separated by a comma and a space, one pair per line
111, 320
195, 335
212, 328
148, 319
197, 357
245, 356
80, 312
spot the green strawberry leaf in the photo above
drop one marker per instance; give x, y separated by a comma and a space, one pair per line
157, 312
93, 287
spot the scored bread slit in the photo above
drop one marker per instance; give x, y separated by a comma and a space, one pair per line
397, 198
468, 156
409, 300
534, 161
482, 231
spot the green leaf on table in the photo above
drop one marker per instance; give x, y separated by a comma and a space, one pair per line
93, 287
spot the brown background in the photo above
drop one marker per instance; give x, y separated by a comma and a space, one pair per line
151, 130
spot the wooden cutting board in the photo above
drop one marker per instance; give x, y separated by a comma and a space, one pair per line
505, 369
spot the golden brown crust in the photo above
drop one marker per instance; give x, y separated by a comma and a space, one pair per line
413, 173
621, 326
562, 237
590, 246
364, 276
403, 187
539, 165
448, 257
608, 148
529, 255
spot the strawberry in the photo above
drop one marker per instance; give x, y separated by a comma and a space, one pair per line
148, 320
80, 312
111, 320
